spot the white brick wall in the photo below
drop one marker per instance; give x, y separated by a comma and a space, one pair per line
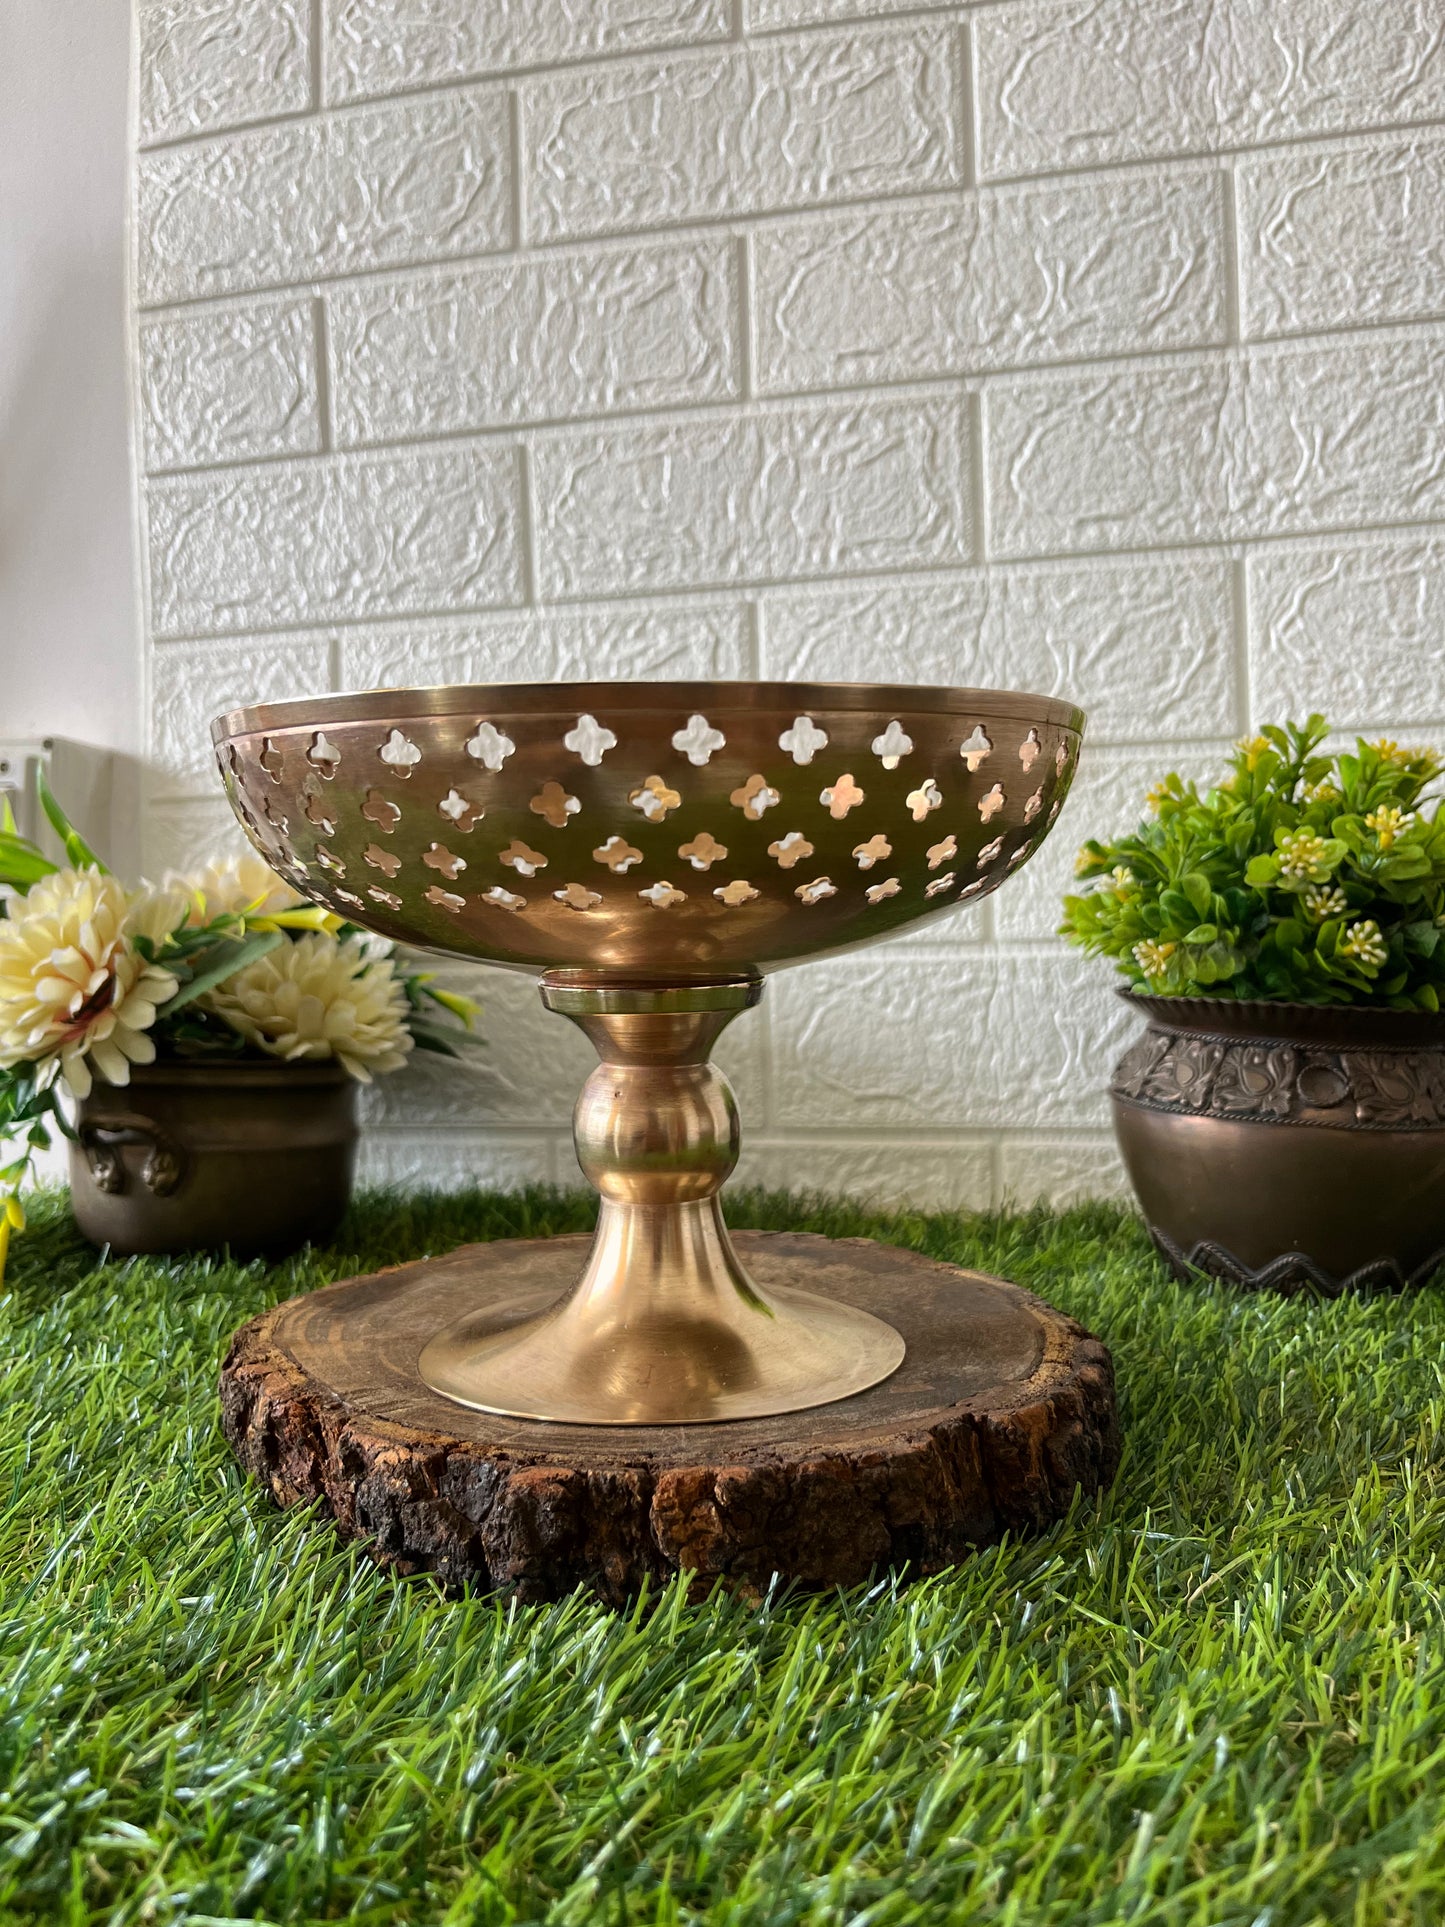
1084, 345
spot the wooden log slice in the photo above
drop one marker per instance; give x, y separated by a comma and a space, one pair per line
1002, 1407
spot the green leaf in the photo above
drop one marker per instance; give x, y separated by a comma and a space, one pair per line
1261, 871
76, 848
1196, 887
21, 864
229, 956
1201, 933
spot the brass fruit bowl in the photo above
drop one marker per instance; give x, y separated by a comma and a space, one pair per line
652, 849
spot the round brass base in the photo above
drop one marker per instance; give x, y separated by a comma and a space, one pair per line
752, 1357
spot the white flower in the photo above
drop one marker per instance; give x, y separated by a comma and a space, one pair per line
241, 886
73, 987
316, 998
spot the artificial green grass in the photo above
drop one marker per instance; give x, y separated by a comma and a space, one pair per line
1216, 1696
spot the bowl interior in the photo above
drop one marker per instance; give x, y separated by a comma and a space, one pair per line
653, 831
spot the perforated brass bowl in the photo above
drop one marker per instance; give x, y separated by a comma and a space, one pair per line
653, 849
667, 831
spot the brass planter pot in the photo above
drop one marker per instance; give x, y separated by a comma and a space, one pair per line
256, 1157
1284, 1146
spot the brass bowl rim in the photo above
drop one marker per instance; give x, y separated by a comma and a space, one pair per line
501, 699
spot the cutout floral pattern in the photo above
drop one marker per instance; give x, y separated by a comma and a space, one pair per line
489, 746
703, 851
973, 889
381, 811
753, 797
590, 740
940, 884
736, 892
1029, 750
440, 859
803, 741
271, 760
990, 805
842, 796
388, 897
876, 850
1061, 755
577, 896
989, 854
526, 862
445, 899
943, 852
893, 745
384, 860
553, 804
323, 755
880, 892
329, 860
815, 891
1033, 806
318, 815
926, 797
699, 742
618, 854
400, 753
662, 896
501, 899
790, 849
460, 811
346, 896
975, 748
654, 799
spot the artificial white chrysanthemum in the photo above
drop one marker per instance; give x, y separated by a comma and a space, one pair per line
316, 998
73, 987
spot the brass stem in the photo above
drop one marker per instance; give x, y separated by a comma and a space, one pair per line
664, 1326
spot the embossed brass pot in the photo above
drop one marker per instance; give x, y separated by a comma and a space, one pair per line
1281, 1146
256, 1157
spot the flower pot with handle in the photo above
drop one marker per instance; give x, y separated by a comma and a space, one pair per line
254, 1157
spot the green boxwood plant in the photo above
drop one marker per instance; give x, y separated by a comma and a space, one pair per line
1301, 876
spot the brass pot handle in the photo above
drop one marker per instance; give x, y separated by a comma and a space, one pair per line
101, 1138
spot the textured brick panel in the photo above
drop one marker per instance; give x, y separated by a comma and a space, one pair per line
789, 123
379, 187
1071, 83
769, 15
1331, 238
206, 64
906, 1173
1108, 797
1061, 1170
187, 836
1095, 632
793, 492
999, 279
1103, 460
441, 1160
892, 1040
228, 384
1344, 435
1355, 631
525, 341
191, 683
597, 645
385, 46
314, 541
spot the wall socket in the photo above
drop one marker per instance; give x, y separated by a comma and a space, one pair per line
82, 778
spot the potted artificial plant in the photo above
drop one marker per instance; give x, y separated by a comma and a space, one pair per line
200, 1043
1282, 1117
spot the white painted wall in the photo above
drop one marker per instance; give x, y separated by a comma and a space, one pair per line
531, 339
69, 642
